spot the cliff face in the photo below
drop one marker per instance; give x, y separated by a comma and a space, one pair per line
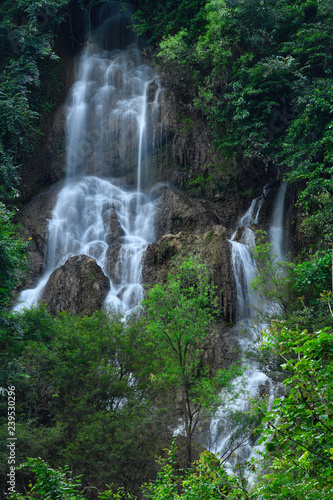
46, 164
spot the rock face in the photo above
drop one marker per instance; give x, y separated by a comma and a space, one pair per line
212, 248
79, 286
221, 346
176, 211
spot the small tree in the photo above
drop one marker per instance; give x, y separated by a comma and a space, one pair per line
55, 484
179, 315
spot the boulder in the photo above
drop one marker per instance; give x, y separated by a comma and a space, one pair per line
79, 286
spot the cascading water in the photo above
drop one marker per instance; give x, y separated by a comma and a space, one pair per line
244, 266
245, 270
276, 233
108, 117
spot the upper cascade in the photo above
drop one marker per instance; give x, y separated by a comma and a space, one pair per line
111, 125
114, 29
111, 121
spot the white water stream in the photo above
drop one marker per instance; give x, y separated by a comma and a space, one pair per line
227, 438
108, 117
276, 233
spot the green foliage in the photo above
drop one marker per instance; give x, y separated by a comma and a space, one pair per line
12, 256
260, 75
201, 184
205, 480
308, 149
82, 388
273, 282
168, 18
298, 429
314, 276
291, 290
50, 484
24, 43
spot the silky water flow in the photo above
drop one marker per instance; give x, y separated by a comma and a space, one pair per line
227, 438
110, 127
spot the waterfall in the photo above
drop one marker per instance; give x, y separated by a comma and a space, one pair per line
276, 233
111, 125
244, 267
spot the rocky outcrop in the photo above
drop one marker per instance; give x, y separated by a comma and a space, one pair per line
52, 158
49, 162
176, 211
221, 346
112, 226
192, 146
113, 266
79, 286
212, 248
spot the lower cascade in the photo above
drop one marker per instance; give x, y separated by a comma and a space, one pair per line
111, 124
95, 217
226, 441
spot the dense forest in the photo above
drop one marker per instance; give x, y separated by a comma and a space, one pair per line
98, 397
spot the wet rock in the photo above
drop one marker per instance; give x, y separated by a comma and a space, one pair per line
151, 91
239, 234
49, 165
221, 346
113, 267
245, 235
79, 286
112, 226
264, 389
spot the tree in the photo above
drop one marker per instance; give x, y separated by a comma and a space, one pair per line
50, 483
82, 396
298, 429
291, 290
179, 316
308, 154
204, 480
26, 41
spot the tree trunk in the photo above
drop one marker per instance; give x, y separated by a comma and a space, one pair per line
187, 427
